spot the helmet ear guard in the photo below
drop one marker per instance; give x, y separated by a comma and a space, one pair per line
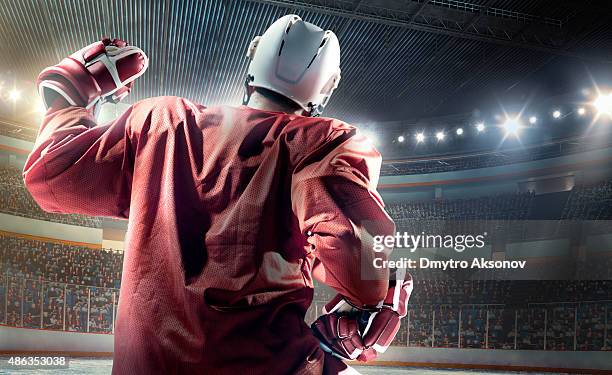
315, 110
253, 47
297, 60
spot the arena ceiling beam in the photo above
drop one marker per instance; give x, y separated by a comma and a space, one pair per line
574, 41
457, 19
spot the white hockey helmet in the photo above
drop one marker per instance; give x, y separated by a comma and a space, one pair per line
297, 60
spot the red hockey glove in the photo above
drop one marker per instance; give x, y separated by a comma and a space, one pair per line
101, 72
383, 324
339, 335
375, 328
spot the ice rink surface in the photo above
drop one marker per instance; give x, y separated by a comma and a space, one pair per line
379, 370
84, 366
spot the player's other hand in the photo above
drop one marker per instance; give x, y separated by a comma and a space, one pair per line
102, 72
339, 335
352, 333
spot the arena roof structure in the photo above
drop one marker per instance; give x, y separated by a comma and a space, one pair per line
400, 59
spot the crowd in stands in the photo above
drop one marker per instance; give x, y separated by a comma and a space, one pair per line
58, 262
473, 292
530, 328
485, 159
529, 315
556, 315
16, 200
501, 328
60, 286
590, 202
473, 327
101, 310
446, 323
591, 326
470, 215
56, 306
420, 324
565, 327
53, 305
584, 202
513, 206
560, 330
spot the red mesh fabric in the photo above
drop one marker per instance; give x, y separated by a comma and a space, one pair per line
216, 277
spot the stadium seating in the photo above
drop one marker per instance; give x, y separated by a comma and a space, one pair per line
590, 202
65, 287
57, 262
584, 202
447, 163
16, 200
59, 286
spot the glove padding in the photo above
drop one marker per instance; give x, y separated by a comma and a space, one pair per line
376, 327
101, 72
339, 335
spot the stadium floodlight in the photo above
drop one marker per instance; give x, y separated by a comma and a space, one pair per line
512, 126
581, 111
401, 138
603, 104
533, 120
480, 127
420, 137
459, 131
14, 95
440, 136
556, 114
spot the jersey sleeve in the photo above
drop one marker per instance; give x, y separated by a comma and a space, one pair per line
78, 166
340, 212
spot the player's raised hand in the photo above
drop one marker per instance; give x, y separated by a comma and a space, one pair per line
103, 71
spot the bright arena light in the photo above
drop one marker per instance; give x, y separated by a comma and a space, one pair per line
533, 120
420, 137
14, 95
556, 113
440, 136
480, 127
512, 126
581, 111
401, 138
603, 104
459, 131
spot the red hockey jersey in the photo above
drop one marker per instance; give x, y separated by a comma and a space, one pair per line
231, 210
